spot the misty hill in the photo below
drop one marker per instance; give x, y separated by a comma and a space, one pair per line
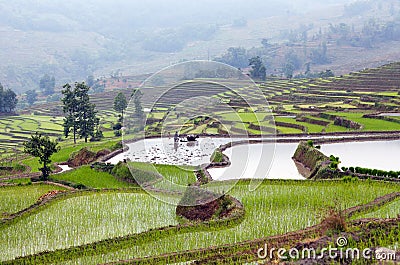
71, 40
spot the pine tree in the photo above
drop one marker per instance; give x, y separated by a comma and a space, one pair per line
139, 114
120, 103
70, 109
87, 120
80, 113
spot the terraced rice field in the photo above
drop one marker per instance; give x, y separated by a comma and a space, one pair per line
276, 207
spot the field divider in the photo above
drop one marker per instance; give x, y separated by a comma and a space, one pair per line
247, 250
114, 244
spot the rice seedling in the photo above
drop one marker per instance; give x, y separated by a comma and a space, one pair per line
83, 219
16, 198
91, 178
391, 210
276, 207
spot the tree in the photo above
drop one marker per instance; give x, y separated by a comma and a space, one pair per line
47, 84
288, 69
139, 114
87, 120
258, 68
120, 103
236, 57
70, 110
334, 162
80, 114
319, 55
31, 96
42, 147
8, 100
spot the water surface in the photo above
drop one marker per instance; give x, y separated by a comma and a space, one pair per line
264, 160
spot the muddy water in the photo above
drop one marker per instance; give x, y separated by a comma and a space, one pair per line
265, 160
166, 151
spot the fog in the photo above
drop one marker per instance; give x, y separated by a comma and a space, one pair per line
74, 39
117, 15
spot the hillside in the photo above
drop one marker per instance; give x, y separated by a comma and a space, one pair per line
73, 47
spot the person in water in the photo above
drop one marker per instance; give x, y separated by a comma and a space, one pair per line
176, 137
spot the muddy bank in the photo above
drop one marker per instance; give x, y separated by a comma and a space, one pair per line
317, 138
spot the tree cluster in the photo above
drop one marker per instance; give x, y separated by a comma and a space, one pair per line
31, 96
372, 172
80, 115
8, 100
258, 70
47, 84
236, 57
174, 40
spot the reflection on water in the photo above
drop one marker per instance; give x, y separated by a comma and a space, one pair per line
253, 161
374, 154
266, 160
390, 114
167, 151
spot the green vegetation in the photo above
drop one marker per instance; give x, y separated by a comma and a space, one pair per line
175, 177
31, 97
90, 178
18, 181
85, 218
80, 114
132, 224
217, 156
369, 124
17, 198
284, 206
373, 172
258, 68
47, 84
120, 103
8, 100
390, 210
43, 148
167, 177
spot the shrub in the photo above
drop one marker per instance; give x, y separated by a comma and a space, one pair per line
98, 135
334, 162
217, 156
349, 179
117, 126
117, 146
103, 167
121, 170
334, 221
133, 175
